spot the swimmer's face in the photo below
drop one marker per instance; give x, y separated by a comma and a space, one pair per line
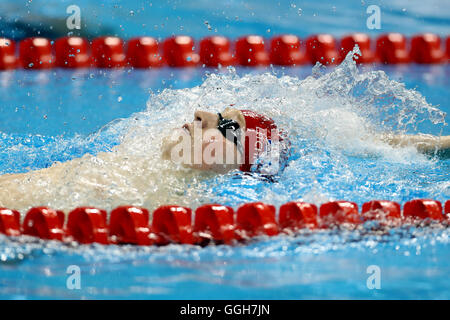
201, 145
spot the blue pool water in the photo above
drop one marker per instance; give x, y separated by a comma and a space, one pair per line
60, 115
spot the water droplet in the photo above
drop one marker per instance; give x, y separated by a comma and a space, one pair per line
207, 25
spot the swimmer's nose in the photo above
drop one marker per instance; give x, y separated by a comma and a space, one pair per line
207, 119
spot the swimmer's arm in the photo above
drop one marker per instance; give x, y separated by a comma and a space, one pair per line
16, 190
12, 181
427, 144
52, 173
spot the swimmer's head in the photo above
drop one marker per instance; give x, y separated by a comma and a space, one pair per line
232, 139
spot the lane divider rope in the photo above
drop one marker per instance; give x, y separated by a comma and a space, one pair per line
211, 222
216, 51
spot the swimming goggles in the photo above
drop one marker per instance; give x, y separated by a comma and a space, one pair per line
231, 130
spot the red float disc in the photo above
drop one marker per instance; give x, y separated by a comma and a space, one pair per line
256, 218
426, 48
250, 51
107, 52
214, 222
88, 225
36, 53
391, 48
381, 210
298, 215
72, 52
215, 51
447, 209
143, 52
9, 222
172, 224
179, 52
130, 225
338, 212
285, 51
44, 223
322, 48
7, 54
448, 48
364, 43
423, 209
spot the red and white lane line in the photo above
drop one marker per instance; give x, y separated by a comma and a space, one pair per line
215, 51
211, 222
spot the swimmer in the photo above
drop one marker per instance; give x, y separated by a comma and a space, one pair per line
213, 143
221, 142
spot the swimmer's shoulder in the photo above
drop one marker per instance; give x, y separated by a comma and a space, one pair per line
424, 143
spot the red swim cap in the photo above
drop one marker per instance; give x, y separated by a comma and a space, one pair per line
257, 136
